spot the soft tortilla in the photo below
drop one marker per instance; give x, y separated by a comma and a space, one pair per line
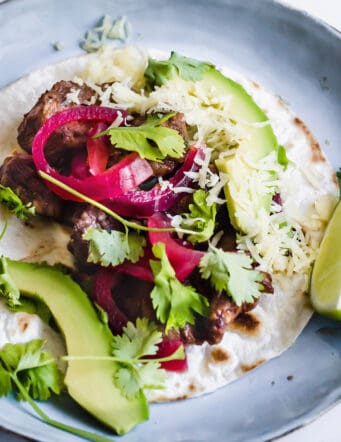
278, 319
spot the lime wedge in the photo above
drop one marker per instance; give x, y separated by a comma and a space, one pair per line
325, 290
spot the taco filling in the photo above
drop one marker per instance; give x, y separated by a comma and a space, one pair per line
176, 199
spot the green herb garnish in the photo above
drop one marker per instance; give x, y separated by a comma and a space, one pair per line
233, 273
159, 72
201, 218
113, 247
14, 204
132, 351
150, 140
175, 304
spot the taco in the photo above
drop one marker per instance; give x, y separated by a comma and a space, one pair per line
238, 180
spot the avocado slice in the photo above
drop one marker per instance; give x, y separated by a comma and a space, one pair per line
89, 383
257, 143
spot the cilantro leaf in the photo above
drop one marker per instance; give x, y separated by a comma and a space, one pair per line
41, 381
35, 369
150, 140
201, 218
152, 376
233, 273
175, 304
18, 357
127, 380
135, 372
158, 72
8, 289
14, 204
338, 176
113, 247
137, 340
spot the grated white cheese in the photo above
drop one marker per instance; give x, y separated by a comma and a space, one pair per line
118, 120
216, 238
182, 189
165, 184
213, 194
73, 97
116, 65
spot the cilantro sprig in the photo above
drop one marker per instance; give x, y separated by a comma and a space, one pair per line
135, 372
175, 304
32, 367
233, 273
32, 373
113, 247
150, 140
132, 352
158, 72
201, 217
14, 204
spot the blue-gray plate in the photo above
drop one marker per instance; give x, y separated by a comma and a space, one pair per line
289, 53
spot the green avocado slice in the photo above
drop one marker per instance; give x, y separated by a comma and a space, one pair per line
89, 383
257, 142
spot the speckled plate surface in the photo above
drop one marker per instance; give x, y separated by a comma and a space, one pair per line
292, 55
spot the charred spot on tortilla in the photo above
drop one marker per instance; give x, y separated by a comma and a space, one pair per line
192, 387
30, 225
316, 151
219, 354
246, 323
248, 367
23, 320
163, 398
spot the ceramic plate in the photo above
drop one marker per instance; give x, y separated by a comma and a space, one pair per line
292, 55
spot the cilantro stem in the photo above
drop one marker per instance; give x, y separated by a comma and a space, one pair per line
3, 231
177, 354
109, 212
86, 434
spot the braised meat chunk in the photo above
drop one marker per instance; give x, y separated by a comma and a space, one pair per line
166, 167
84, 218
177, 122
19, 173
132, 296
70, 136
222, 313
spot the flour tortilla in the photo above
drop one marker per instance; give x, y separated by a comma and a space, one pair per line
306, 188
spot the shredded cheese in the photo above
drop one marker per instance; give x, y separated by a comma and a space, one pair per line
73, 97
